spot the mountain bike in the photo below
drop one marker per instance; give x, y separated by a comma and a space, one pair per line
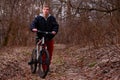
40, 56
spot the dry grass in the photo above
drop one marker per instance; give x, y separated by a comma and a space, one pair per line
69, 62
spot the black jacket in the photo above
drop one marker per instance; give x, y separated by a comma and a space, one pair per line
48, 25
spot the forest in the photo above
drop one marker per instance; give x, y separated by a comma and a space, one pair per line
94, 22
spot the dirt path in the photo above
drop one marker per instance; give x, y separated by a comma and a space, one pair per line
69, 63
13, 62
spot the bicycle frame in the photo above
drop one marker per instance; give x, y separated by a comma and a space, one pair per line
40, 45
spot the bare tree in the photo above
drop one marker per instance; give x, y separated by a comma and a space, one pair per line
94, 22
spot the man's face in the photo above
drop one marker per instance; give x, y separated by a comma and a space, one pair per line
46, 10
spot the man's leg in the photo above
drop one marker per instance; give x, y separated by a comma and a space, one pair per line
50, 45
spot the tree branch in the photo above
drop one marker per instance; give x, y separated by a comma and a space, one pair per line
100, 10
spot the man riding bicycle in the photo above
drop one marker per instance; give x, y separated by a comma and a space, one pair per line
45, 22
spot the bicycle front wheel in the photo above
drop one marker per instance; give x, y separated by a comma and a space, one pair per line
34, 61
44, 62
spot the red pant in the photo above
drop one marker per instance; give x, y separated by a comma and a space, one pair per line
50, 45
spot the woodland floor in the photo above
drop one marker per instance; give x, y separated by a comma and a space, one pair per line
68, 63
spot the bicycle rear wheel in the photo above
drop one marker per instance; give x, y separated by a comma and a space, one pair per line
34, 61
44, 63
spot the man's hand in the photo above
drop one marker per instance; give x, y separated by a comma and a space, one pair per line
53, 32
34, 30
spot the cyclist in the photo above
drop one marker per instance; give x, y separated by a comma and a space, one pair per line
45, 22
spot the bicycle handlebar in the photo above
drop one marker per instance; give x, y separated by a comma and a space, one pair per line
44, 32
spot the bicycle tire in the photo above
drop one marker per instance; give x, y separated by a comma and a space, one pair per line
34, 61
46, 62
